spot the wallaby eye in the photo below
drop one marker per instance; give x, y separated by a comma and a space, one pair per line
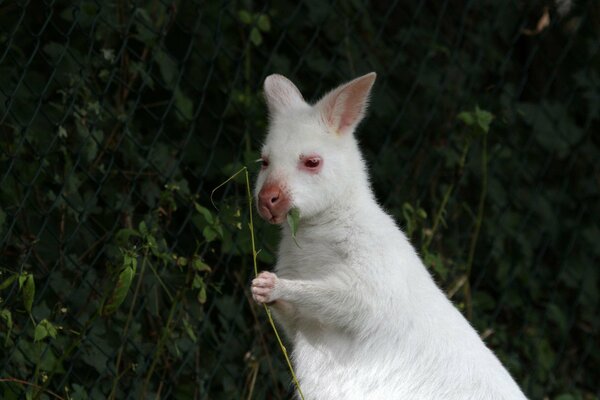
264, 162
312, 162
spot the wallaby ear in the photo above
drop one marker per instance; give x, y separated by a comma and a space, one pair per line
281, 93
344, 107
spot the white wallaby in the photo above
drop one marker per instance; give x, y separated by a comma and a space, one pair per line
363, 314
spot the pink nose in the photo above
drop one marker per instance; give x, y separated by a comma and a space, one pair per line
273, 204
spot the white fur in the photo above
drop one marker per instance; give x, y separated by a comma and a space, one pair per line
364, 316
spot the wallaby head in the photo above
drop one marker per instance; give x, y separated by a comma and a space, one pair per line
310, 158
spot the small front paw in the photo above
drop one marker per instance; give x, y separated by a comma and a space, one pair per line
263, 287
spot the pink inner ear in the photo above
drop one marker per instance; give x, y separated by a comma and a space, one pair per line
345, 106
281, 93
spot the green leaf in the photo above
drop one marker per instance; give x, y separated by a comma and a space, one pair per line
7, 316
198, 282
245, 17
466, 117
264, 23
123, 235
8, 281
205, 213
182, 261
478, 119
202, 295
484, 119
28, 292
199, 266
22, 279
123, 284
189, 330
44, 329
140, 69
62, 132
184, 105
78, 393
255, 37
209, 233
293, 218
168, 68
143, 228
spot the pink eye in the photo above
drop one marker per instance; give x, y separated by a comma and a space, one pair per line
312, 163
264, 162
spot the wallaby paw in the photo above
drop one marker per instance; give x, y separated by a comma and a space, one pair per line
263, 287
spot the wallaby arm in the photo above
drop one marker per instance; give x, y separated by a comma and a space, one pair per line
328, 302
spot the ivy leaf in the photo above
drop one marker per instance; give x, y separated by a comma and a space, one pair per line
189, 330
143, 228
199, 266
8, 281
205, 213
43, 330
478, 119
22, 279
28, 292
202, 295
466, 117
293, 218
255, 37
484, 119
264, 23
168, 68
7, 316
199, 284
182, 261
245, 17
209, 233
184, 105
123, 284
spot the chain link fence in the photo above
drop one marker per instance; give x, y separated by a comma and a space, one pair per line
119, 277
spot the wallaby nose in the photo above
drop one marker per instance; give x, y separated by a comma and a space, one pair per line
273, 204
269, 196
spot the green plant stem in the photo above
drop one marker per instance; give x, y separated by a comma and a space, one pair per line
438, 217
255, 368
268, 311
127, 323
162, 283
161, 342
446, 198
478, 222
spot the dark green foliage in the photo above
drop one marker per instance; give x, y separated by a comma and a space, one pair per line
117, 119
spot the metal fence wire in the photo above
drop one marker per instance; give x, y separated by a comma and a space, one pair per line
119, 278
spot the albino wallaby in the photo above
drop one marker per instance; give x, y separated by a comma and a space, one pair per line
364, 316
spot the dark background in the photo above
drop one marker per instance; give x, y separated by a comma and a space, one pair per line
120, 279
